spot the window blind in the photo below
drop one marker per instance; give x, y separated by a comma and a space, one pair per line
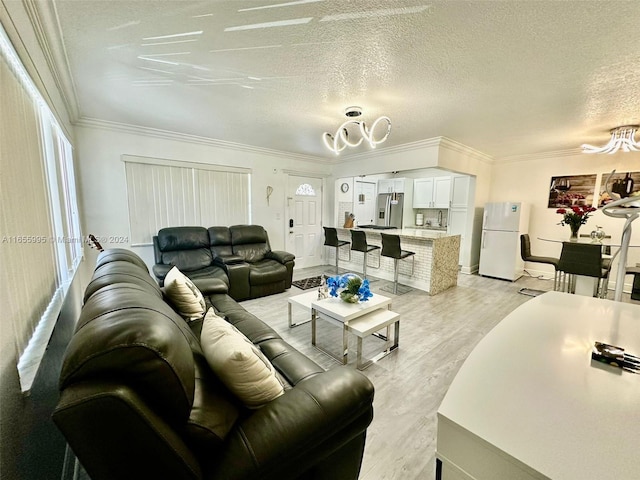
40, 240
163, 193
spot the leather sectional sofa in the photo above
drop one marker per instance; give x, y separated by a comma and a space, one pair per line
138, 399
237, 260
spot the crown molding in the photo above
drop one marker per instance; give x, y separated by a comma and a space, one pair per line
528, 157
184, 137
44, 20
458, 147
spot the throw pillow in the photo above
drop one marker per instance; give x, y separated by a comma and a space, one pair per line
238, 363
184, 295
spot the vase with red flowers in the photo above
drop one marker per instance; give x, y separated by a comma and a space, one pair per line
575, 217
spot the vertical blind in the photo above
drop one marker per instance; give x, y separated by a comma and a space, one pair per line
40, 241
163, 193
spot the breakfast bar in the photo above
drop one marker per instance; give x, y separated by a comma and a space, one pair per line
436, 258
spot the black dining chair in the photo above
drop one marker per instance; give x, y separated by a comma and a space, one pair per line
359, 244
525, 253
391, 248
583, 259
331, 240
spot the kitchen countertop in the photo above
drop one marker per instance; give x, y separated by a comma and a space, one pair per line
419, 232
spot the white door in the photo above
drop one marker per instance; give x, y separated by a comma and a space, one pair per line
304, 220
365, 208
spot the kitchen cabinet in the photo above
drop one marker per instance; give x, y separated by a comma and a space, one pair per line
460, 191
390, 185
433, 192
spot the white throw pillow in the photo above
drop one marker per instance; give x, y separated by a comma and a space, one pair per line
238, 363
184, 295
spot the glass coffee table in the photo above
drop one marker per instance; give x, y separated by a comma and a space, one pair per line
361, 319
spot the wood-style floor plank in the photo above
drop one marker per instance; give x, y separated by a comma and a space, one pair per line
436, 336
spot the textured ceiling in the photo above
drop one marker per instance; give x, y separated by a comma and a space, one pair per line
503, 77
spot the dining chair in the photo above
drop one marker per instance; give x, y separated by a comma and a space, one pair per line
583, 259
525, 253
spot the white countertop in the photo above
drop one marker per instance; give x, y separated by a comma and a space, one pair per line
529, 389
419, 232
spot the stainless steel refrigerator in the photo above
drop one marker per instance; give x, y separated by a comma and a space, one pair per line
389, 210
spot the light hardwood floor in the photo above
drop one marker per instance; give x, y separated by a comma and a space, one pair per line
436, 336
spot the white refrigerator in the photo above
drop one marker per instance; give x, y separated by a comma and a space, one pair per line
502, 225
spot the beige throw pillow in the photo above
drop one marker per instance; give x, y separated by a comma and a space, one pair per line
184, 295
238, 363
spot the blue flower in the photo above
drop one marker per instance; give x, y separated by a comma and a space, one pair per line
349, 287
363, 292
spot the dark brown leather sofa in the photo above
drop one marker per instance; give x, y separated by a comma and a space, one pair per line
237, 260
139, 401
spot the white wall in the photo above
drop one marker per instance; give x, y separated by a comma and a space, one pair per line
103, 192
529, 180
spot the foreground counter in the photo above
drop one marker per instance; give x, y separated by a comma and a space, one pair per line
529, 403
436, 258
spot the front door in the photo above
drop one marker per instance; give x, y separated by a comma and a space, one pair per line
304, 221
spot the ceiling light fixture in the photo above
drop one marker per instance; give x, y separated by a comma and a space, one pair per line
338, 142
621, 138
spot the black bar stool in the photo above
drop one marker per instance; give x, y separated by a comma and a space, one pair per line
391, 248
331, 240
359, 243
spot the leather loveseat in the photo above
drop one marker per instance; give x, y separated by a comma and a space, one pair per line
237, 259
138, 399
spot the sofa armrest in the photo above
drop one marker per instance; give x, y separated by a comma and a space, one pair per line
160, 271
280, 256
222, 260
290, 433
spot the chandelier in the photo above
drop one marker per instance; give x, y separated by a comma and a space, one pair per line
621, 138
357, 130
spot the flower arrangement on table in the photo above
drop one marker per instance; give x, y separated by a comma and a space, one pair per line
350, 287
575, 217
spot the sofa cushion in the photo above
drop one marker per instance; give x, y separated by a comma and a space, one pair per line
121, 271
249, 242
120, 254
117, 337
267, 271
184, 295
220, 241
214, 412
188, 260
185, 247
238, 363
182, 238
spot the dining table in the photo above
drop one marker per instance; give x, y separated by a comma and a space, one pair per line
611, 249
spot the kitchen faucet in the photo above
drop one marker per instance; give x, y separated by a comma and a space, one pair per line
439, 218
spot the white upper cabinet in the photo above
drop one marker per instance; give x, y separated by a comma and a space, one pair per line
422, 192
460, 191
390, 185
433, 192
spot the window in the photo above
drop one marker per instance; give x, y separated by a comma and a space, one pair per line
165, 193
40, 244
305, 189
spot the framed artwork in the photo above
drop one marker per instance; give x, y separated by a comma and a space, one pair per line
567, 191
625, 184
